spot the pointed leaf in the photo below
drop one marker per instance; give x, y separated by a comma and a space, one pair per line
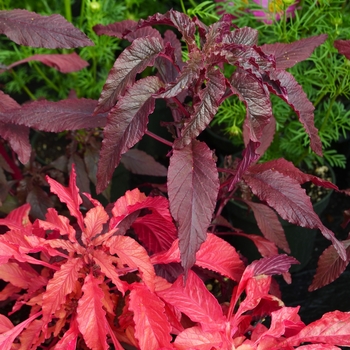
297, 99
5, 324
330, 266
287, 55
70, 337
126, 125
343, 46
31, 29
244, 36
94, 220
205, 109
91, 317
152, 328
7, 102
133, 60
70, 114
192, 187
275, 265
269, 224
64, 63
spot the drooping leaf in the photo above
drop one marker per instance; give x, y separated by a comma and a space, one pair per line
192, 187
287, 55
126, 125
343, 46
133, 60
62, 283
31, 29
91, 317
297, 99
194, 300
269, 224
64, 63
330, 266
70, 114
139, 162
152, 328
205, 109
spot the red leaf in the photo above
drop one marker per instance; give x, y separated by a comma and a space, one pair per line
126, 125
69, 195
343, 46
134, 255
193, 187
70, 337
205, 109
5, 324
214, 254
297, 99
194, 300
64, 63
139, 162
31, 29
152, 328
330, 266
269, 224
7, 102
287, 55
70, 114
18, 219
133, 60
333, 329
62, 284
91, 317
94, 220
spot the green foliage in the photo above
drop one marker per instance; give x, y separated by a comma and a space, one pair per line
325, 76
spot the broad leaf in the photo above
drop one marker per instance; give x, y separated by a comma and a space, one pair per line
70, 114
343, 46
152, 328
62, 284
330, 266
192, 187
287, 55
94, 220
31, 29
244, 36
139, 162
126, 125
91, 317
64, 63
133, 60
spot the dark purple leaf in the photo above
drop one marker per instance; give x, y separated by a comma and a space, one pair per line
7, 102
297, 99
256, 97
133, 60
343, 47
118, 29
31, 29
70, 114
139, 162
275, 265
39, 202
287, 55
193, 186
242, 36
64, 63
330, 266
127, 123
205, 109
171, 38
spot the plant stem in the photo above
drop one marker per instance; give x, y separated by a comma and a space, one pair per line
158, 138
24, 87
47, 80
68, 10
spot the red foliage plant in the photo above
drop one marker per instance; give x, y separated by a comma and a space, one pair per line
126, 274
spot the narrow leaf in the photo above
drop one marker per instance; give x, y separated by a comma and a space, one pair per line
31, 29
193, 187
91, 317
126, 125
133, 60
70, 337
152, 328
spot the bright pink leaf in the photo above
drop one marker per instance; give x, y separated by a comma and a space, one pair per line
330, 266
64, 63
139, 162
94, 220
70, 114
152, 328
5, 324
192, 186
62, 283
69, 195
30, 337
70, 337
127, 123
133, 60
287, 55
18, 219
31, 29
193, 299
269, 224
343, 46
91, 317
134, 255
